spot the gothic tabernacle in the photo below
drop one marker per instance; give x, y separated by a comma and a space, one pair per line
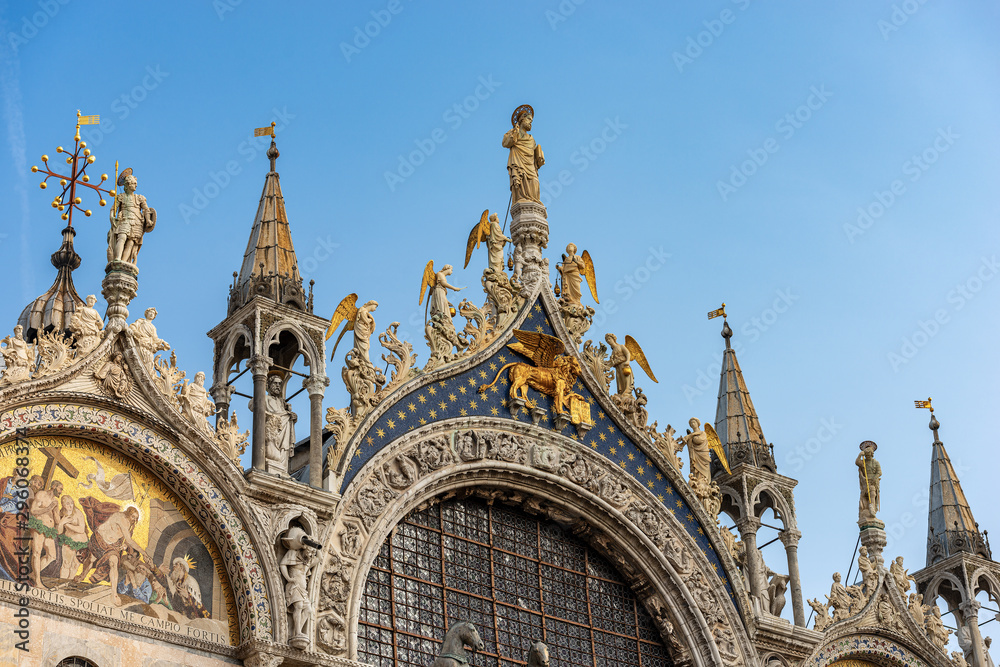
506, 501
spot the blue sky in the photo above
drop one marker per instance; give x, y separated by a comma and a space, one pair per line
826, 169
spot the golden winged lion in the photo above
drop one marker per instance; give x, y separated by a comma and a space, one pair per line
552, 374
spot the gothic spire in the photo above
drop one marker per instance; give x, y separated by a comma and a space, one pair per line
950, 526
53, 310
270, 268
735, 417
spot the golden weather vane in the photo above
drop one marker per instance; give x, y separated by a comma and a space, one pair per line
924, 404
68, 200
265, 131
718, 312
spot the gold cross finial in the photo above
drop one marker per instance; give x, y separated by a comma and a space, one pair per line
68, 200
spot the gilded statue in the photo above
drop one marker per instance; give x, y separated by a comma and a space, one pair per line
439, 286
552, 372
622, 357
526, 157
574, 269
359, 320
869, 479
487, 231
131, 217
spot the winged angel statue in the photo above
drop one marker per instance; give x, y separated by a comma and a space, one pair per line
487, 231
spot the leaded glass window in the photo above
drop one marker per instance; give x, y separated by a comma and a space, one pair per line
517, 578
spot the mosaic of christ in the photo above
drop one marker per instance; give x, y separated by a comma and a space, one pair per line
103, 530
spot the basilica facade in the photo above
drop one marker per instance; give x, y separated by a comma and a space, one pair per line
505, 502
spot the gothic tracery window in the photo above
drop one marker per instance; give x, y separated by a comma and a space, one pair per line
517, 578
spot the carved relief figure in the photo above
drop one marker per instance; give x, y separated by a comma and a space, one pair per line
935, 628
131, 217
869, 479
18, 356
146, 339
114, 376
525, 158
86, 326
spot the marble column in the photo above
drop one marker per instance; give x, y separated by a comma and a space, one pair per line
790, 538
316, 386
970, 616
259, 365
748, 527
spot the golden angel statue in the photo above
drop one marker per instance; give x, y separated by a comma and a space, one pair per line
526, 156
359, 320
438, 284
701, 444
487, 230
574, 269
622, 357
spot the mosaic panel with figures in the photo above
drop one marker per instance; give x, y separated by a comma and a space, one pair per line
518, 579
107, 537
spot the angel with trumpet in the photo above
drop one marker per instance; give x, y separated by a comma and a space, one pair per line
622, 357
488, 231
